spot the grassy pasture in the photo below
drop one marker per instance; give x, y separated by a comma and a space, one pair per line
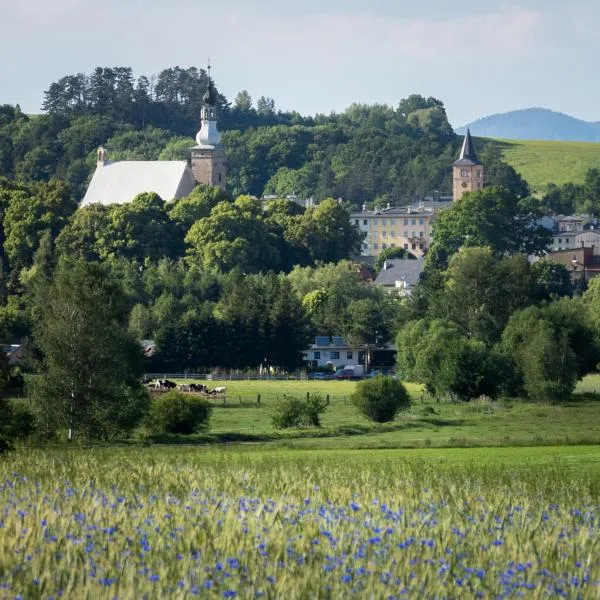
544, 162
426, 424
248, 523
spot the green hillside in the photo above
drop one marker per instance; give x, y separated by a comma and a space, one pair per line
543, 162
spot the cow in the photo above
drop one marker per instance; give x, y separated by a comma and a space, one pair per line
184, 387
197, 387
220, 390
165, 384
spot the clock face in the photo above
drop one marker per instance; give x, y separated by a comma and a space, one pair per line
465, 184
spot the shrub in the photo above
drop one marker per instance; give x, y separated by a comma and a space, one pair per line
289, 412
175, 412
294, 412
315, 406
380, 399
22, 419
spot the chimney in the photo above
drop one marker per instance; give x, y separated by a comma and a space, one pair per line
364, 208
101, 156
388, 206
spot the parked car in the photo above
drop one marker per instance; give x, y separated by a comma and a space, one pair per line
320, 376
351, 372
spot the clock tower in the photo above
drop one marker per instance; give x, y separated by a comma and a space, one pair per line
467, 170
208, 159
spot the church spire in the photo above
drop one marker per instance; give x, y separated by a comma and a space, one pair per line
209, 135
467, 152
208, 159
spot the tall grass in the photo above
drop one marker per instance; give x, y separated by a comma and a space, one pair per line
180, 523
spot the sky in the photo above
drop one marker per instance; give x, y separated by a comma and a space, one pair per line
318, 56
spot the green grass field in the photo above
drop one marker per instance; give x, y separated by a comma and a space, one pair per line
543, 162
239, 418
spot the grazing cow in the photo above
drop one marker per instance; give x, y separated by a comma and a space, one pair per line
220, 390
184, 387
197, 387
165, 384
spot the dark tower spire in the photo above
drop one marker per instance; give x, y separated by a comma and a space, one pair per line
468, 150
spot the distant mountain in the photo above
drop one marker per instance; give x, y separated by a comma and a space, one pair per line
535, 124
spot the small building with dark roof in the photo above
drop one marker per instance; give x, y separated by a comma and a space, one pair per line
400, 275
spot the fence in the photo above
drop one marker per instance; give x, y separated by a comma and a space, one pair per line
300, 376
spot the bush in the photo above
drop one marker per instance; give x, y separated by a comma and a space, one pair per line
22, 419
380, 399
293, 412
289, 412
315, 406
175, 412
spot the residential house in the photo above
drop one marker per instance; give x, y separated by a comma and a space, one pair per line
400, 275
333, 352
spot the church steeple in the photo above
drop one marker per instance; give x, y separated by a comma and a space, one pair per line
467, 170
209, 163
467, 152
209, 135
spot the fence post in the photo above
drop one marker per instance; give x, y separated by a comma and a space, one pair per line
258, 401
240, 399
307, 396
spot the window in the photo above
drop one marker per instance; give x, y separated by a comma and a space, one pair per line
479, 174
392, 234
392, 221
414, 246
335, 355
365, 222
560, 240
414, 234
421, 221
384, 234
384, 221
375, 246
356, 222
421, 246
220, 177
349, 354
392, 245
406, 234
421, 234
317, 355
384, 246
414, 222
406, 221
406, 246
464, 172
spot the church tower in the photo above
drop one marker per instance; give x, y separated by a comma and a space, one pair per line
467, 170
208, 160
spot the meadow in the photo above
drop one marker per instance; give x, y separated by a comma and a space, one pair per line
267, 523
544, 162
240, 418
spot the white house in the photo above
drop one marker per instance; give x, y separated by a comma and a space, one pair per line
334, 352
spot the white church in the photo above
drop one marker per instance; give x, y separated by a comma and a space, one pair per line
121, 181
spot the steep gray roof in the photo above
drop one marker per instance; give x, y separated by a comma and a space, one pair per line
121, 182
468, 156
400, 269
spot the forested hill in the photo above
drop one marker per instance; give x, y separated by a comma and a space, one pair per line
535, 124
365, 154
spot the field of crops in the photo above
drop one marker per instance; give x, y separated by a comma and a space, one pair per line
183, 523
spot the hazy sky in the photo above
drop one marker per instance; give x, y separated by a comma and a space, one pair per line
321, 55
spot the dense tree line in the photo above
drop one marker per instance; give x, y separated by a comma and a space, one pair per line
486, 321
366, 154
